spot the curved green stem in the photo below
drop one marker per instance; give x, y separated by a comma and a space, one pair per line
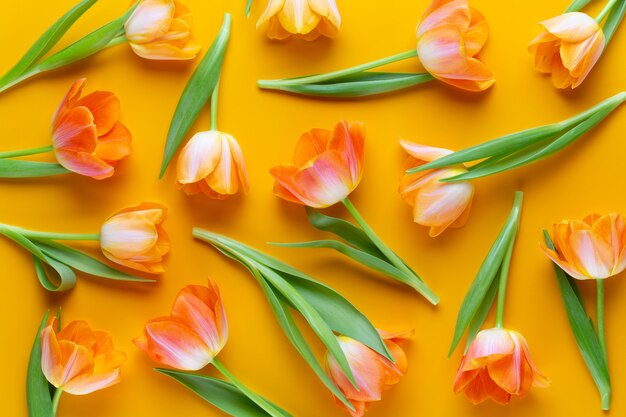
25, 152
33, 234
269, 84
258, 400
600, 315
607, 9
214, 100
55, 401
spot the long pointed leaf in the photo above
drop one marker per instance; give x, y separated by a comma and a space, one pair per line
614, 20
577, 5
66, 277
14, 168
38, 395
481, 314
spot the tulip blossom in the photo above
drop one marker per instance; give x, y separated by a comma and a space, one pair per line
212, 163
436, 204
594, 248
133, 237
308, 19
161, 30
497, 366
193, 334
373, 372
78, 360
87, 135
568, 48
449, 36
327, 166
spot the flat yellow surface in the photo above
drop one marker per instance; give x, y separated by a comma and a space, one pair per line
585, 178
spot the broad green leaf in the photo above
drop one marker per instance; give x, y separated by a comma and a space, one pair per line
21, 240
65, 280
221, 394
345, 230
47, 41
360, 85
14, 168
488, 270
83, 262
613, 20
577, 5
196, 93
583, 330
38, 395
481, 314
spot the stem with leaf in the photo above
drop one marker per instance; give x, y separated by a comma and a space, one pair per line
504, 276
32, 234
214, 100
25, 152
600, 317
55, 401
607, 9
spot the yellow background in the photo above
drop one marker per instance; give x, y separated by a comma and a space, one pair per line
587, 177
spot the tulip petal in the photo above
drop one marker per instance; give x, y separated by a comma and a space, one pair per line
311, 144
274, 29
565, 266
545, 53
297, 17
166, 51
476, 35
284, 186
272, 9
349, 141
489, 346
76, 131
423, 152
199, 157
475, 77
588, 54
128, 236
329, 12
149, 21
224, 177
571, 27
105, 108
115, 145
87, 384
454, 13
85, 164
68, 101
75, 360
441, 50
326, 182
51, 357
592, 254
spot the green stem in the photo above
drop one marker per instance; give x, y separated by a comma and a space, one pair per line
25, 152
389, 254
600, 316
248, 7
312, 79
214, 100
55, 401
607, 9
258, 400
33, 234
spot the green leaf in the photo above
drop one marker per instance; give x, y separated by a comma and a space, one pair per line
613, 20
481, 314
583, 330
66, 278
248, 7
47, 41
38, 395
577, 5
13, 168
359, 85
196, 93
221, 394
488, 270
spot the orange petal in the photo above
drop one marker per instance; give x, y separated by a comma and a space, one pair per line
76, 361
545, 54
349, 141
75, 131
199, 157
105, 108
297, 17
423, 152
441, 51
581, 58
165, 51
475, 77
51, 358
594, 255
115, 145
311, 144
149, 21
331, 19
476, 35
224, 179
68, 101
86, 384
489, 346
572, 27
285, 187
454, 13
272, 9
84, 164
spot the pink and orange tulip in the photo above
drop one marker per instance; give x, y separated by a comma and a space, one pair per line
134, 238
87, 135
79, 360
308, 19
327, 166
568, 48
373, 372
449, 36
193, 334
497, 366
212, 163
594, 248
161, 30
436, 204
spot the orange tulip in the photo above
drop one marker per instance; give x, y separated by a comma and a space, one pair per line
436, 204
79, 360
193, 334
373, 372
212, 163
87, 135
594, 248
133, 237
568, 48
449, 36
497, 366
308, 19
326, 167
161, 30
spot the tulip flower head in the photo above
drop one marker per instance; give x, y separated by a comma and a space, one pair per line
497, 366
436, 204
308, 19
212, 163
133, 237
78, 360
193, 334
161, 30
373, 372
568, 48
449, 36
594, 248
327, 166
87, 135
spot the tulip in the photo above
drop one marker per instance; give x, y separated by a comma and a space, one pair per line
87, 135
78, 360
436, 204
497, 365
568, 48
133, 237
327, 166
193, 334
373, 372
594, 248
308, 19
449, 36
161, 30
212, 163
